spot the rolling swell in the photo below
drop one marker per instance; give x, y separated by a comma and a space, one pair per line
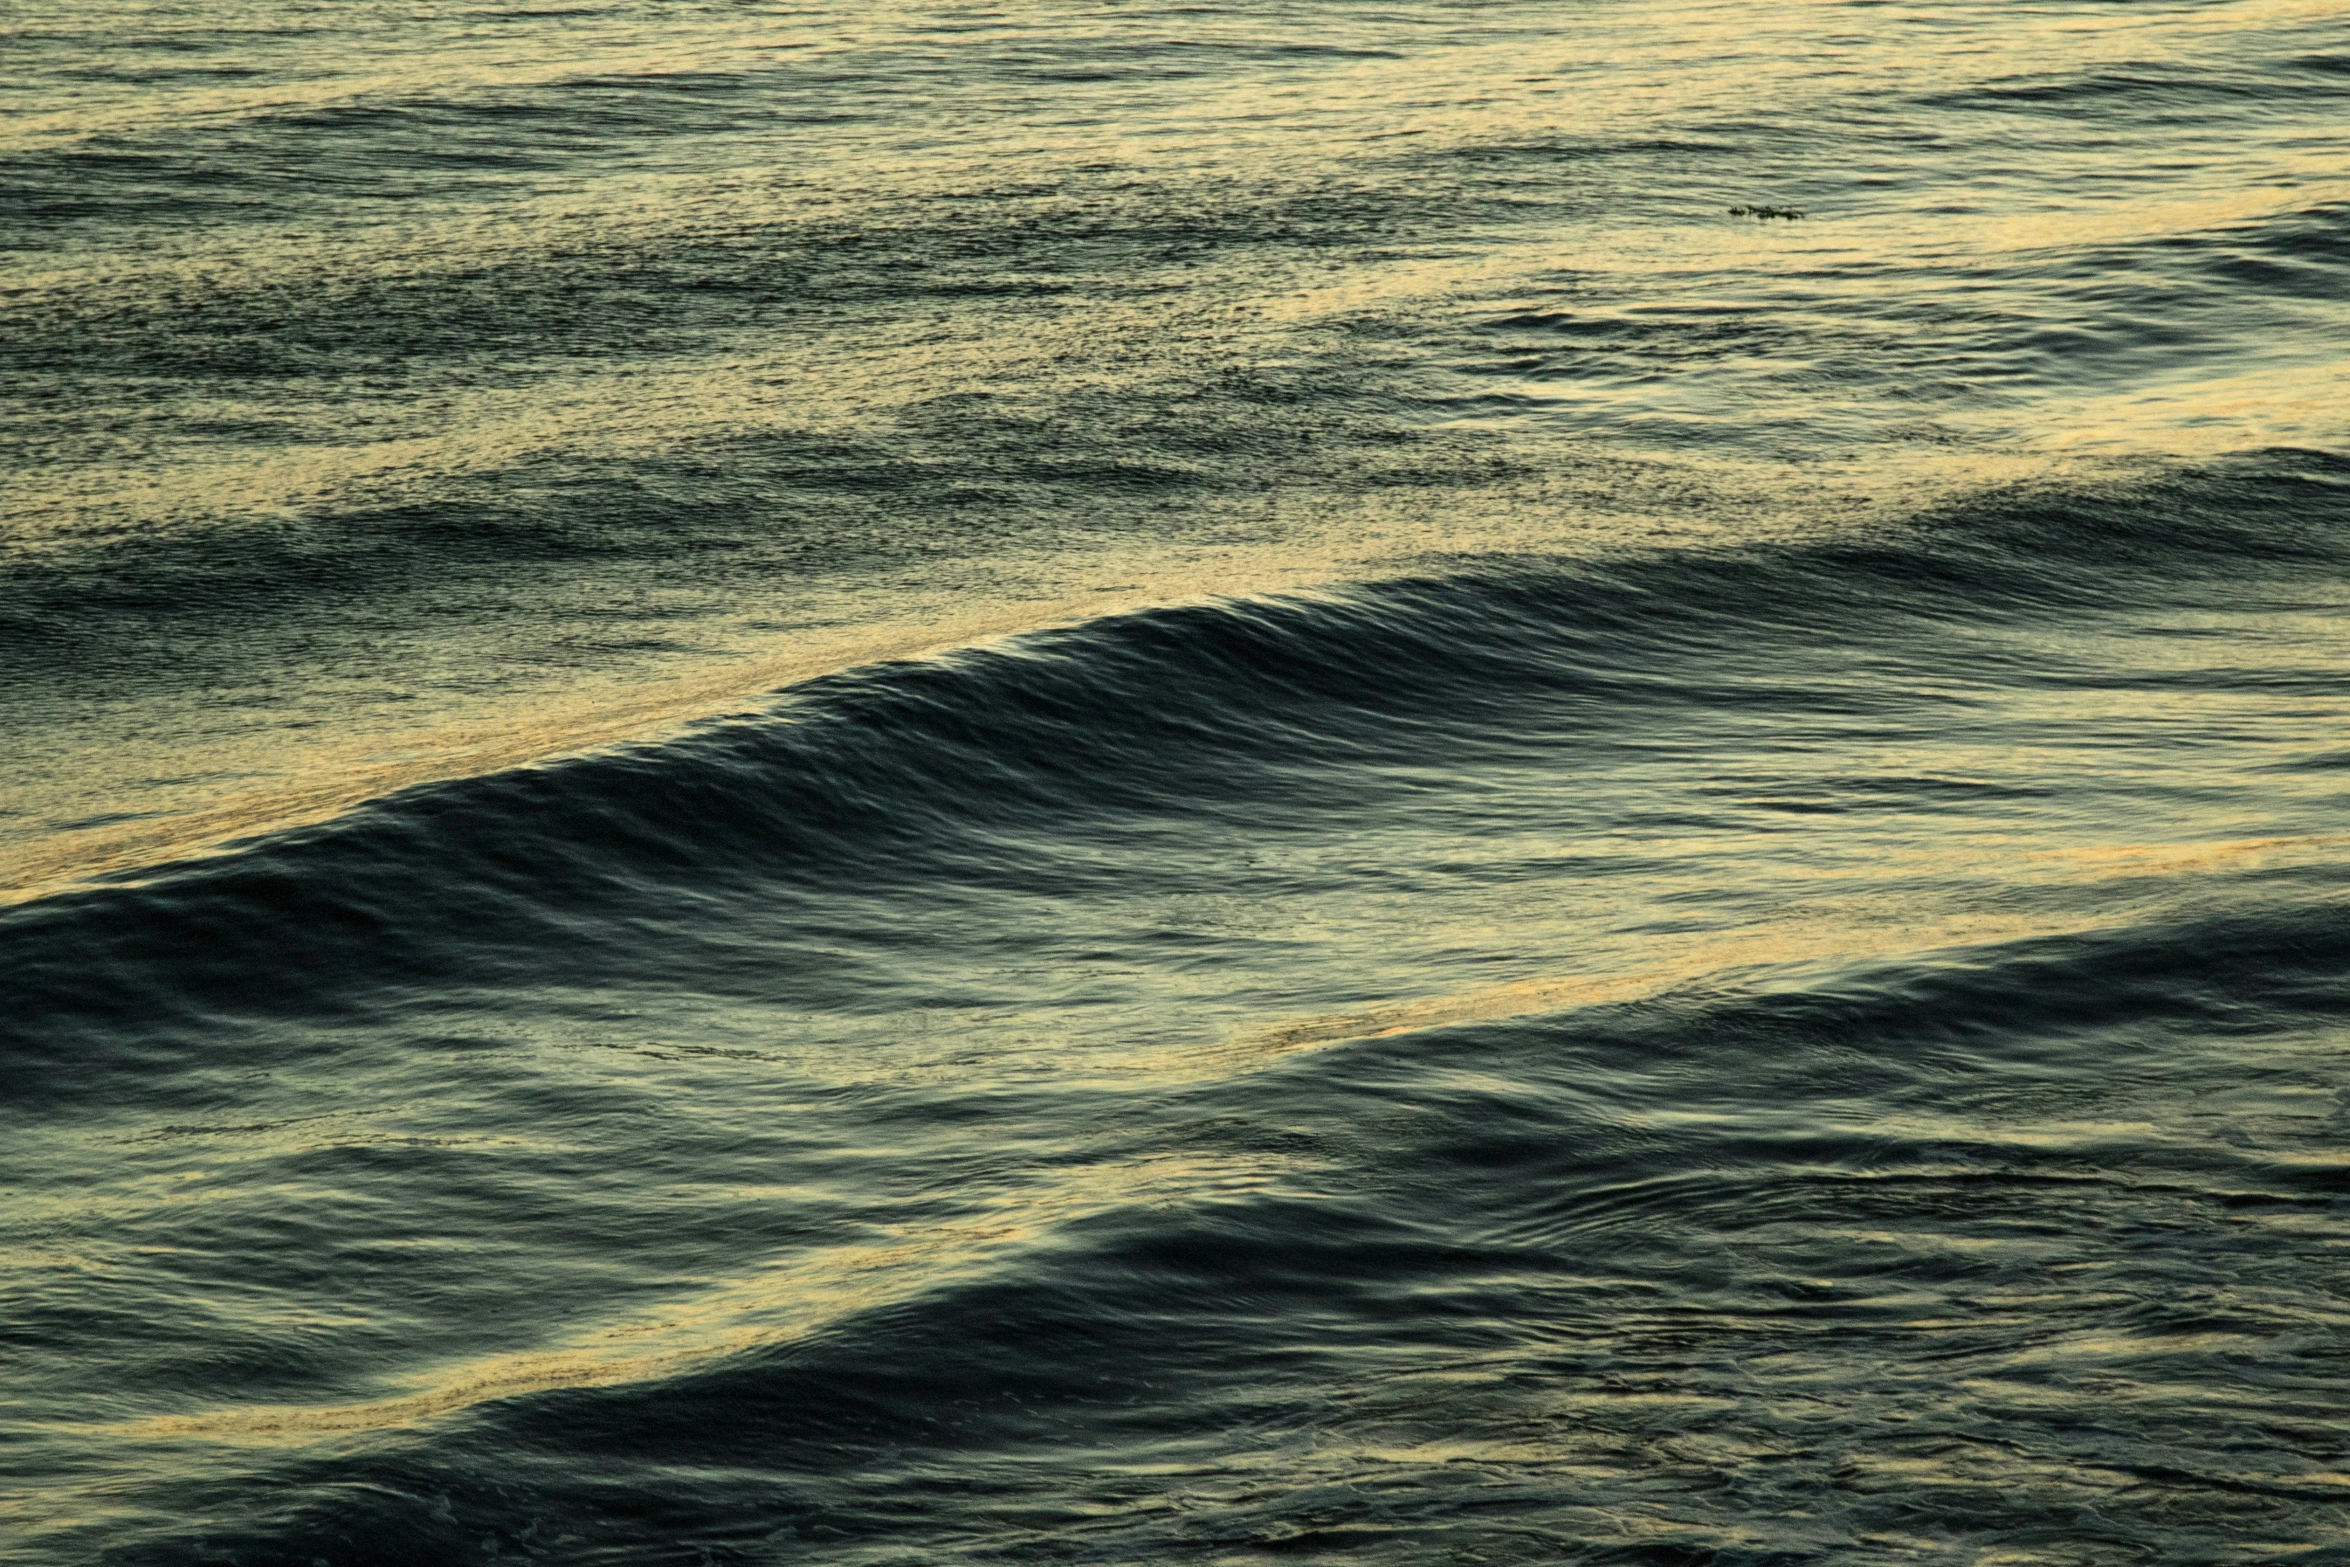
1233, 711
1685, 1056
1803, 1275
1010, 768
1572, 1153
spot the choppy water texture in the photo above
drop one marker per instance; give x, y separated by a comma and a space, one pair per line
883, 784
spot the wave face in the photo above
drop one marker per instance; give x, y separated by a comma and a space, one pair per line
1121, 786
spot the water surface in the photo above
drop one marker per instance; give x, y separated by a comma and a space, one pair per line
886, 784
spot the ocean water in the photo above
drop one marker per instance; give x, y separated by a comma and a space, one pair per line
1421, 782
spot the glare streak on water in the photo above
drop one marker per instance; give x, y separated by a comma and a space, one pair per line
886, 784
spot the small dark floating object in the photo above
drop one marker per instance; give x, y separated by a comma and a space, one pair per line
1765, 212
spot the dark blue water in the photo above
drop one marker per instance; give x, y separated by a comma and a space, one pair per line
1123, 786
